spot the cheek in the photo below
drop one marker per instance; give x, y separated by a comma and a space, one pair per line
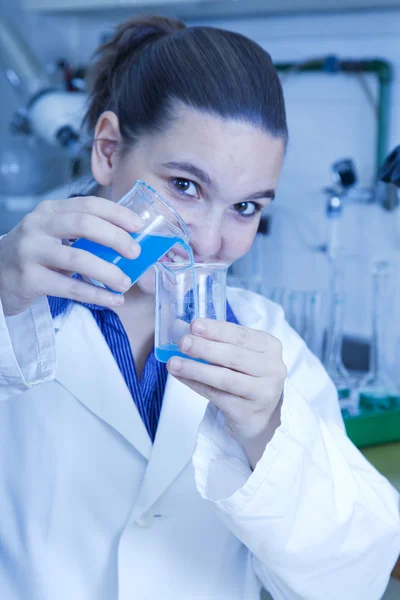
147, 282
237, 241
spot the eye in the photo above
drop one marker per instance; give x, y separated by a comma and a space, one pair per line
185, 186
247, 209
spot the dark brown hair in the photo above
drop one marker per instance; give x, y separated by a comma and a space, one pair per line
150, 63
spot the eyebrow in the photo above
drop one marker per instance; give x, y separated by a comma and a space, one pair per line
192, 170
259, 195
204, 178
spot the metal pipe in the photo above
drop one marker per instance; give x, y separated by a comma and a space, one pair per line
23, 70
384, 73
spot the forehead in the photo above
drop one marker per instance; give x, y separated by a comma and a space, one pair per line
222, 147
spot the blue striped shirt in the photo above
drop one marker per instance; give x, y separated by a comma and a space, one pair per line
147, 391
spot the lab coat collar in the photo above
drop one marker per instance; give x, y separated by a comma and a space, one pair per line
181, 415
87, 369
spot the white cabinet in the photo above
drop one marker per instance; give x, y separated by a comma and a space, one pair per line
214, 7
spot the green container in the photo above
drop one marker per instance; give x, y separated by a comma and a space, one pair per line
374, 425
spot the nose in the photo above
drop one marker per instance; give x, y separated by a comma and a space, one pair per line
206, 239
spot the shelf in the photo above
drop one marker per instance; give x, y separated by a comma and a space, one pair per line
216, 8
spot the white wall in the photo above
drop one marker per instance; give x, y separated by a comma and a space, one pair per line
329, 117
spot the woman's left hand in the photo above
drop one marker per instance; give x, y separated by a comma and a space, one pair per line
244, 378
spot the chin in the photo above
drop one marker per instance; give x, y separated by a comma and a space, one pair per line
147, 282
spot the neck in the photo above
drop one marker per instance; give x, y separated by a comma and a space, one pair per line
137, 317
138, 304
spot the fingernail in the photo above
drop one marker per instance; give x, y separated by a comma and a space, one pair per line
135, 250
118, 299
175, 364
186, 344
198, 327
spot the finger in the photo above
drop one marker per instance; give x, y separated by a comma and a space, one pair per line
228, 403
230, 333
220, 378
105, 209
236, 358
71, 260
75, 289
90, 227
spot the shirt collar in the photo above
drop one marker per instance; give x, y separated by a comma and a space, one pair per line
59, 305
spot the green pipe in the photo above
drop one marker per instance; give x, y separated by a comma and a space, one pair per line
384, 73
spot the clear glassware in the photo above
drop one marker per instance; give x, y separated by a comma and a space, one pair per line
314, 323
377, 390
333, 351
162, 229
296, 312
182, 294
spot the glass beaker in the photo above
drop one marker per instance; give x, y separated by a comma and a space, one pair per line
183, 293
377, 389
162, 229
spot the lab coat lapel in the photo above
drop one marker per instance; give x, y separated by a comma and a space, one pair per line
181, 414
86, 367
250, 314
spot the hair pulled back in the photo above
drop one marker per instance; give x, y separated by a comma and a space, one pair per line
150, 63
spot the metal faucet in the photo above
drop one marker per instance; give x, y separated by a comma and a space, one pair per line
346, 190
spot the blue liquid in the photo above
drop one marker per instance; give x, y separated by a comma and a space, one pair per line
153, 248
164, 353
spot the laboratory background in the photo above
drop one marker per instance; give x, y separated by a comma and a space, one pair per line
328, 248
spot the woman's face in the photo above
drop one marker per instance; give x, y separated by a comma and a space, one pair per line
217, 173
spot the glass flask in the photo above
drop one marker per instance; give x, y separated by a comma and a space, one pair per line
377, 390
333, 350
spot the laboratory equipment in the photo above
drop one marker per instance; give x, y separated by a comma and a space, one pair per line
333, 352
304, 312
390, 170
314, 324
345, 190
162, 229
51, 114
183, 293
24, 166
389, 175
296, 311
377, 390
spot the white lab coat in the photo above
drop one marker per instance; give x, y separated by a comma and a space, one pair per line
89, 510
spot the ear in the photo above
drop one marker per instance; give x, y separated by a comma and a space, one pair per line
104, 153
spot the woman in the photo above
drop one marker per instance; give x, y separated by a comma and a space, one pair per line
109, 488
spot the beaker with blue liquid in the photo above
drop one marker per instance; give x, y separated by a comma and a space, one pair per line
183, 294
162, 229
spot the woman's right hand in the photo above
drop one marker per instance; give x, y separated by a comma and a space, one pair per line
34, 261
